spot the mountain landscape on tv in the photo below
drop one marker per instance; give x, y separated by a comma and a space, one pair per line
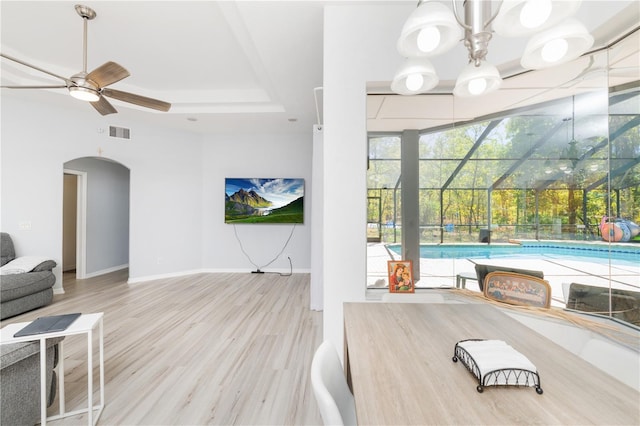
264, 200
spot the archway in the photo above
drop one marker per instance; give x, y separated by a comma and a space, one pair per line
95, 216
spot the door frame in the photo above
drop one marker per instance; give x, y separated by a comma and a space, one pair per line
81, 222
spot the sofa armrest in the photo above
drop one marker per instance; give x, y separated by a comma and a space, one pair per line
16, 352
47, 265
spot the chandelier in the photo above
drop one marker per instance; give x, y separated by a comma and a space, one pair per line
433, 29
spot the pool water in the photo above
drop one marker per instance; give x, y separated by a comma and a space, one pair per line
528, 250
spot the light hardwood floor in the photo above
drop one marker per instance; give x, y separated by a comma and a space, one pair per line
201, 349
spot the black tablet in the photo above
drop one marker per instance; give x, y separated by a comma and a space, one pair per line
48, 325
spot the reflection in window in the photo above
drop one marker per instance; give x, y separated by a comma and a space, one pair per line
537, 173
546, 172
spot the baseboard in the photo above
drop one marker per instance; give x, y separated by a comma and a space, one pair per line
135, 280
246, 271
106, 271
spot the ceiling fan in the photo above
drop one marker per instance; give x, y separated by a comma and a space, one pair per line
92, 87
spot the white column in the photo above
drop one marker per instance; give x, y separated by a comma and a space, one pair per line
317, 202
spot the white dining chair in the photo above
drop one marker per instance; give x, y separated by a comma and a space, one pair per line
335, 400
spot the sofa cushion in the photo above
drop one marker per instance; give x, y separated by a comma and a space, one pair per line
7, 252
20, 285
24, 264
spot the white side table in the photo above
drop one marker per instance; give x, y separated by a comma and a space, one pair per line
85, 324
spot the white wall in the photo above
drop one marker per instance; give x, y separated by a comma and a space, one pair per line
351, 58
166, 182
316, 293
254, 156
107, 233
176, 188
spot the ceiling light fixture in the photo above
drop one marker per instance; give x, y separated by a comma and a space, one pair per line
83, 89
518, 18
559, 44
476, 80
84, 93
433, 29
571, 155
416, 75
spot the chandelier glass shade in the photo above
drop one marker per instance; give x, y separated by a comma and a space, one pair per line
559, 44
416, 75
429, 31
518, 18
476, 80
433, 29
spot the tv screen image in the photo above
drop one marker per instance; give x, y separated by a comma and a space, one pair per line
261, 200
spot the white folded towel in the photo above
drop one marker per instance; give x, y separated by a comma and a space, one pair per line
492, 355
21, 265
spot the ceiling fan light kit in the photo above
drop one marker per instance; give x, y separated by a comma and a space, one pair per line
433, 29
92, 87
84, 93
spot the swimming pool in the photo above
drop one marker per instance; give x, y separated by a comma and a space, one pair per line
623, 253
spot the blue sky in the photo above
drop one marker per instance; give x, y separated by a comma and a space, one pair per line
279, 191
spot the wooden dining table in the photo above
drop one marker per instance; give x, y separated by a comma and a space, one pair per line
398, 361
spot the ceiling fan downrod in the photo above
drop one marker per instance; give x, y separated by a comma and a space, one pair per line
84, 89
92, 87
87, 14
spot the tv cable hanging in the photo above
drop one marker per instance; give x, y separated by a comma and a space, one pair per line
259, 269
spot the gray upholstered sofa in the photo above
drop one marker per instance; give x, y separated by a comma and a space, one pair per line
20, 377
24, 291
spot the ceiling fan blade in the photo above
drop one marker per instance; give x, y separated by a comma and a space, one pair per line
103, 106
18, 61
137, 99
34, 87
107, 74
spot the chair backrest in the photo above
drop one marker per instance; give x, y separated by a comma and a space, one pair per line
483, 270
625, 304
335, 401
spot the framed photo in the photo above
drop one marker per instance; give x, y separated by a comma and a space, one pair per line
517, 289
400, 276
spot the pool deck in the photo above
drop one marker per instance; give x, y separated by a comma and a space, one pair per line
557, 270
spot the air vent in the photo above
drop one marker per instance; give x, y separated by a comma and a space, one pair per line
119, 132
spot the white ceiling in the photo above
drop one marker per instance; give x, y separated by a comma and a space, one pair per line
233, 66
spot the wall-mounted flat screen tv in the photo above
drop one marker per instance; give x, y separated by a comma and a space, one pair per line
264, 200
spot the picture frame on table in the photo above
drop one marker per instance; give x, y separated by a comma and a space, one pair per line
400, 276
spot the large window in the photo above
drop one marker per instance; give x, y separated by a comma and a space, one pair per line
553, 170
383, 195
525, 175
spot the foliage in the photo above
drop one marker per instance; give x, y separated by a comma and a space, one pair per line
543, 178
291, 213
